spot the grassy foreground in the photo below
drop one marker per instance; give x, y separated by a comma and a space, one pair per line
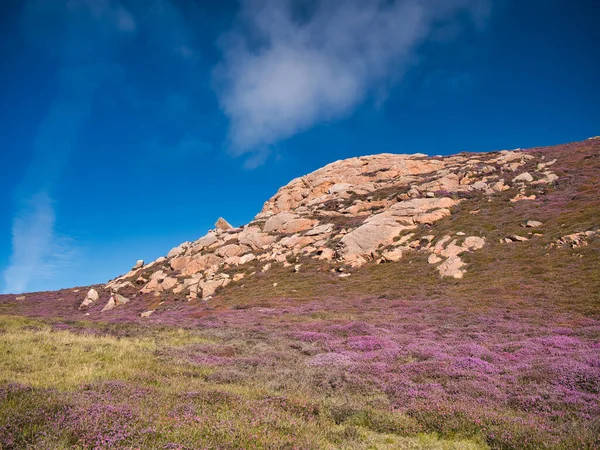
268, 381
64, 389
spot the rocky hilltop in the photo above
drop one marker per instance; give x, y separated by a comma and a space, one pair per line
360, 211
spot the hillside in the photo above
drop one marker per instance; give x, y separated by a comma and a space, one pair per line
463, 213
385, 301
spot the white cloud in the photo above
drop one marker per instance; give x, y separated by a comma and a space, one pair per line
290, 64
37, 251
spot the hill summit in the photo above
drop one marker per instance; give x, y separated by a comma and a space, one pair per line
365, 210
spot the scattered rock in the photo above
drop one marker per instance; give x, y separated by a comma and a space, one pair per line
209, 287
533, 224
247, 258
327, 254
393, 255
524, 177
118, 286
575, 240
158, 275
223, 225
452, 267
321, 229
168, 283
180, 262
255, 239
90, 298
114, 301
178, 250
473, 243
517, 238
204, 242
433, 259
520, 197
231, 250
201, 263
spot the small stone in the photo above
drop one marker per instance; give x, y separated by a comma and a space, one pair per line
460, 233
274, 284
533, 224
517, 238
344, 275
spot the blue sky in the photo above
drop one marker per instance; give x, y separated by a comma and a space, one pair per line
129, 126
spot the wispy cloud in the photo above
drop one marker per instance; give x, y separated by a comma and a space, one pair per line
290, 64
82, 36
39, 253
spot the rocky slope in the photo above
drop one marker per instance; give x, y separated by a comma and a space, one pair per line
355, 212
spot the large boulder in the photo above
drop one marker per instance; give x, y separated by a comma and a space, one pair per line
360, 244
205, 241
255, 239
114, 301
90, 298
180, 262
223, 225
176, 251
168, 283
230, 250
209, 287
200, 263
286, 222
296, 225
274, 223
